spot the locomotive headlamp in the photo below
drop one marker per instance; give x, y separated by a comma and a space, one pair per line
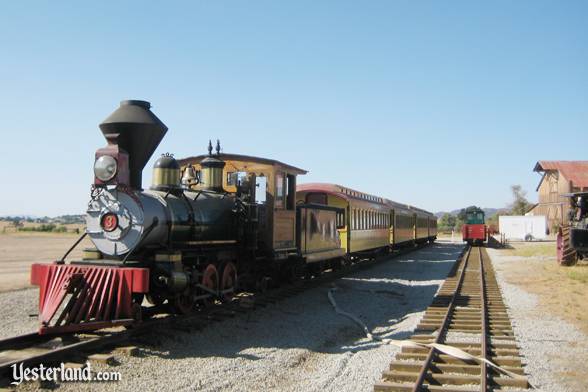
105, 168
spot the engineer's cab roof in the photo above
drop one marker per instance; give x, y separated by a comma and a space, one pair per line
245, 163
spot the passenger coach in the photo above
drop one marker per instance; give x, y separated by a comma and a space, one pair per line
368, 222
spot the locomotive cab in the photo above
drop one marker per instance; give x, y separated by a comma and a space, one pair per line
269, 184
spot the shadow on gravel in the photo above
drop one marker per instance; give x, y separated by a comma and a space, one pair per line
387, 298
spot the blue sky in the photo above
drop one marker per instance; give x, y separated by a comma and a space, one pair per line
438, 104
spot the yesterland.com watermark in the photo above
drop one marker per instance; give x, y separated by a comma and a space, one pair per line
62, 373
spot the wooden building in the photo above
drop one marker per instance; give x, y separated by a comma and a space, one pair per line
557, 179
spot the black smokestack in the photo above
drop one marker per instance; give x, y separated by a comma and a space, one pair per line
137, 131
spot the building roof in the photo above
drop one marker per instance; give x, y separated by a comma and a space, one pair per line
574, 171
242, 158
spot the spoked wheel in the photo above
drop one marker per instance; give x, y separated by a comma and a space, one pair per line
210, 281
292, 271
337, 264
263, 284
136, 310
183, 304
566, 255
315, 269
155, 299
346, 261
228, 281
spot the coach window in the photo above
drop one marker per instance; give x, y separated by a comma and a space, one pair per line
316, 198
290, 192
279, 191
340, 219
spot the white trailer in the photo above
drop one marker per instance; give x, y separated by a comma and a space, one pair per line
527, 228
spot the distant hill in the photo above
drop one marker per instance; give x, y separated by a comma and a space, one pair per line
62, 219
488, 211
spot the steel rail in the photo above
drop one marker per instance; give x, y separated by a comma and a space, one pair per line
446, 321
484, 331
20, 341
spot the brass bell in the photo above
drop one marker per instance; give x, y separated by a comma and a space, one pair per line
189, 176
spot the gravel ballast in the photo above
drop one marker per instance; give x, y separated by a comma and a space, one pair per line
554, 350
297, 344
19, 312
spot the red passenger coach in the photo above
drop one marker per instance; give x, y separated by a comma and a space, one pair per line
474, 231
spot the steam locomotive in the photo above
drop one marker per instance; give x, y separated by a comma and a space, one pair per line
207, 227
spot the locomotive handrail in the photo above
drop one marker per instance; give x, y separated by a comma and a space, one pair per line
145, 234
62, 261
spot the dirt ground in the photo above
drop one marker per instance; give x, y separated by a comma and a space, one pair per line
561, 290
19, 250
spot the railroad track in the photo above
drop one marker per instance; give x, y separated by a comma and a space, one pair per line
33, 349
467, 313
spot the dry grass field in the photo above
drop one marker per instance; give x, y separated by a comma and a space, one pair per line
562, 290
7, 227
18, 250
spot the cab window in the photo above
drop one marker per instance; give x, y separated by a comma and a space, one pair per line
290, 192
260, 193
280, 191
